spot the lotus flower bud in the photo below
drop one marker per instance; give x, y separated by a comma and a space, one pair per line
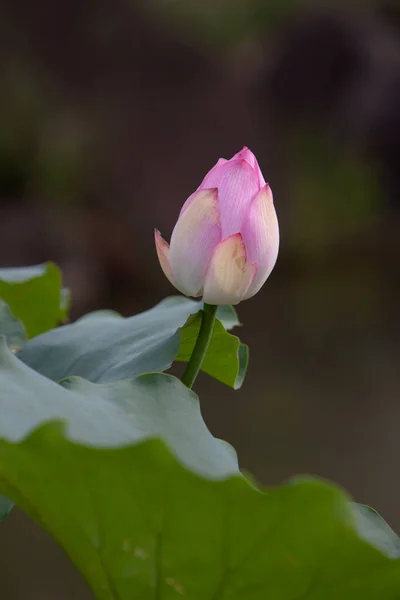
225, 242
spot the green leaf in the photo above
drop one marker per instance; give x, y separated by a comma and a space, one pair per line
110, 415
375, 530
34, 296
11, 327
149, 517
218, 361
103, 346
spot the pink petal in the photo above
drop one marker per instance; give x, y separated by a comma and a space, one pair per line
246, 154
228, 278
220, 162
237, 184
261, 236
193, 240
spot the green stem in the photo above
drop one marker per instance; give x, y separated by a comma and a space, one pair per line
200, 348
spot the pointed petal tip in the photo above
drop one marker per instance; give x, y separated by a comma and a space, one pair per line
163, 253
157, 233
246, 154
213, 191
266, 192
245, 150
236, 243
161, 245
234, 236
204, 193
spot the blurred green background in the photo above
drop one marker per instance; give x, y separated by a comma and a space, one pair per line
110, 115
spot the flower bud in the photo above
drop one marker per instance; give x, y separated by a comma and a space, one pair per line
225, 242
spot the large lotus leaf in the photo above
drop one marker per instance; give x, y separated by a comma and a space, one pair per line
35, 296
169, 516
110, 414
103, 346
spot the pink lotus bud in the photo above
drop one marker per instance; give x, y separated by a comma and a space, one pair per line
225, 242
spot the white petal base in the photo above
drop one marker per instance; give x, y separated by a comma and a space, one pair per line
228, 278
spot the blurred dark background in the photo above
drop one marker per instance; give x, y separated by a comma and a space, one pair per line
110, 115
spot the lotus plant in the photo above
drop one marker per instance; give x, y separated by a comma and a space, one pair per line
224, 244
